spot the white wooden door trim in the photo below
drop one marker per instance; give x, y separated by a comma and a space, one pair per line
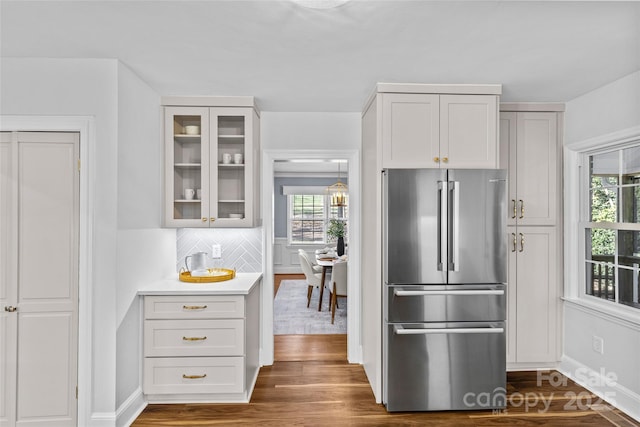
85, 125
354, 350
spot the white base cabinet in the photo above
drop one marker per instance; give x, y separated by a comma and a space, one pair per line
532, 296
201, 348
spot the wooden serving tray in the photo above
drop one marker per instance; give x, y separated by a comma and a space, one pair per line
217, 275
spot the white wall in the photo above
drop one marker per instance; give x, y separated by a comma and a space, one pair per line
314, 131
605, 110
145, 251
611, 109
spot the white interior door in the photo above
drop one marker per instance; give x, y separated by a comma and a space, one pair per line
46, 179
8, 319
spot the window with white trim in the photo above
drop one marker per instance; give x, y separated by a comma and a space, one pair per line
612, 229
308, 213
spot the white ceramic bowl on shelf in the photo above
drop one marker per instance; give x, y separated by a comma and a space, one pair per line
192, 130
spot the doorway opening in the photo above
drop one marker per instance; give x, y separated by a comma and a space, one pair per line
297, 213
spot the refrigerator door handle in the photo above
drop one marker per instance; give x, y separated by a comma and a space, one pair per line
439, 225
399, 330
453, 222
400, 293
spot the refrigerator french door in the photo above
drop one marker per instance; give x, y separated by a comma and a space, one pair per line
444, 301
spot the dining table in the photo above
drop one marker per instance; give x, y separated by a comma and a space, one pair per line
326, 262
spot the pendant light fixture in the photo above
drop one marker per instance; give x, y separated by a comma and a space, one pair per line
338, 191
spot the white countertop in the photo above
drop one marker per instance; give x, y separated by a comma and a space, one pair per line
242, 284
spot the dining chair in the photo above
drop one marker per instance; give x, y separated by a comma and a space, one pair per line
316, 268
339, 287
313, 279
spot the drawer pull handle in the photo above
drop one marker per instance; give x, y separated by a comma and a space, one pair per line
194, 338
194, 307
193, 377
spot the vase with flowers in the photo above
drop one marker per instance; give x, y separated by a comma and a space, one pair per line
336, 230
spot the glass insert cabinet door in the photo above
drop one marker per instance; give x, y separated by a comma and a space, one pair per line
187, 155
208, 182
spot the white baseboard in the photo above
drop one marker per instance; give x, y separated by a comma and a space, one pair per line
130, 408
102, 419
615, 394
286, 270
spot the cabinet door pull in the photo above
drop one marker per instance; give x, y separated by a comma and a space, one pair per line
515, 209
521, 242
10, 308
194, 338
436, 159
212, 219
445, 160
515, 242
193, 377
194, 307
521, 208
204, 219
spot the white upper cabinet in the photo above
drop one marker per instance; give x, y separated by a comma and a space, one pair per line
439, 131
468, 131
212, 165
410, 130
531, 139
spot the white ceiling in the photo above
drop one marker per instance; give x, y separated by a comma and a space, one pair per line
296, 59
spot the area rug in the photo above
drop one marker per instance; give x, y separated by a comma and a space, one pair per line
292, 317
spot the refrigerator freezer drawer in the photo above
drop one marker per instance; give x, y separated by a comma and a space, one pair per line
446, 366
446, 303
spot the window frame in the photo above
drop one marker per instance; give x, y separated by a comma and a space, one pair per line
578, 161
290, 220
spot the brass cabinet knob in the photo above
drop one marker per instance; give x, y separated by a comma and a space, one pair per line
445, 160
436, 159
204, 219
212, 219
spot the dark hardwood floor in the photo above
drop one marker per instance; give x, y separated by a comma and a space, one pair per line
312, 384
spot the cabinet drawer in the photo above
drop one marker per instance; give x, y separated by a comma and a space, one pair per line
194, 307
194, 337
193, 375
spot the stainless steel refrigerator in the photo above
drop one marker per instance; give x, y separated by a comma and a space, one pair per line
444, 302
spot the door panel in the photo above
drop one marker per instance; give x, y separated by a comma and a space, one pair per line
410, 136
8, 279
39, 276
468, 126
411, 230
536, 168
46, 371
478, 254
536, 295
445, 370
47, 222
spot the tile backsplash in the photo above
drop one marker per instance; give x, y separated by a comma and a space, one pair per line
241, 247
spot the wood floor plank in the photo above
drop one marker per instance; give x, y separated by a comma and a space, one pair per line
312, 384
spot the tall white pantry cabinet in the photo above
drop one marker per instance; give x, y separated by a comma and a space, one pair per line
415, 126
39, 232
531, 142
